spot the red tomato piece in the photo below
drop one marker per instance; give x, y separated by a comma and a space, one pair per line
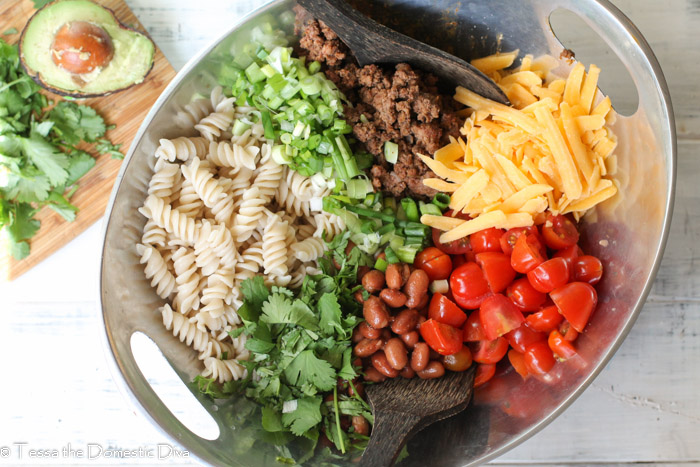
545, 320
562, 348
569, 254
559, 232
567, 330
517, 359
486, 240
435, 263
509, 238
484, 372
442, 338
489, 351
528, 253
469, 286
587, 269
576, 301
459, 361
524, 336
499, 316
549, 275
524, 296
539, 358
473, 329
458, 260
444, 310
456, 247
497, 270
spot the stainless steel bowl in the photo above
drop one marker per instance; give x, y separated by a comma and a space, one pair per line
628, 232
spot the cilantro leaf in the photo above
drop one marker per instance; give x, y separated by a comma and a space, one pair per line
47, 158
80, 163
27, 188
271, 420
281, 310
105, 146
62, 206
330, 315
255, 292
22, 226
307, 368
73, 123
347, 371
306, 416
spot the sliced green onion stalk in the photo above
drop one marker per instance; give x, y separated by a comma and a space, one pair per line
240, 127
429, 208
380, 264
439, 286
358, 188
391, 152
407, 254
267, 124
442, 200
416, 230
411, 209
391, 256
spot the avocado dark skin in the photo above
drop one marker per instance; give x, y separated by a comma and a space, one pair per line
79, 48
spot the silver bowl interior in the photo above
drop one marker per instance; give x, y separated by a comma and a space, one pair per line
628, 232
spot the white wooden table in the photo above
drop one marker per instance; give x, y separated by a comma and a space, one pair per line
57, 393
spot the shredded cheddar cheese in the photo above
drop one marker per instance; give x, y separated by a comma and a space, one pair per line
551, 151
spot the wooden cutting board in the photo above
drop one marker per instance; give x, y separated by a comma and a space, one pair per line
125, 109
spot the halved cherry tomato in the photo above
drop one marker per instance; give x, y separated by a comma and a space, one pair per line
499, 316
459, 361
469, 286
489, 351
444, 310
576, 301
473, 329
509, 238
539, 358
484, 372
517, 359
588, 269
559, 232
524, 296
549, 275
561, 347
569, 254
524, 336
458, 260
567, 330
528, 253
545, 320
435, 263
497, 270
442, 338
456, 247
486, 240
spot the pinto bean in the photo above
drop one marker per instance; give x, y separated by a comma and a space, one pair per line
410, 339
375, 313
420, 357
357, 335
396, 353
373, 281
416, 288
360, 425
358, 297
407, 372
393, 298
396, 275
405, 321
362, 271
434, 369
380, 362
368, 331
367, 347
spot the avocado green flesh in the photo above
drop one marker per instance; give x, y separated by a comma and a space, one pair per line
131, 62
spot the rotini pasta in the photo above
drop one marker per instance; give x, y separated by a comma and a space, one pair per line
157, 270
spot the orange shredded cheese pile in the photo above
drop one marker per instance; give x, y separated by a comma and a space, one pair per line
551, 151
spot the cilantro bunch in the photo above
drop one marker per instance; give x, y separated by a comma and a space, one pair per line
300, 347
39, 159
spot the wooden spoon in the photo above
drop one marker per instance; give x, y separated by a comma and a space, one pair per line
372, 42
403, 407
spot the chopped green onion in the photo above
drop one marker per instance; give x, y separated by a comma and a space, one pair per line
391, 256
267, 124
359, 187
240, 127
310, 85
254, 73
416, 230
429, 208
364, 212
280, 155
380, 264
410, 208
391, 152
407, 254
268, 71
396, 242
314, 67
410, 240
441, 200
385, 229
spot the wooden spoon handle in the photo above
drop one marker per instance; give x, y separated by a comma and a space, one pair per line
372, 42
389, 434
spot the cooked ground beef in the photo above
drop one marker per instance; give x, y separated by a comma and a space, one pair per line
398, 103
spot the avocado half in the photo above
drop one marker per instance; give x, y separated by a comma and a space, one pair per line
132, 53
